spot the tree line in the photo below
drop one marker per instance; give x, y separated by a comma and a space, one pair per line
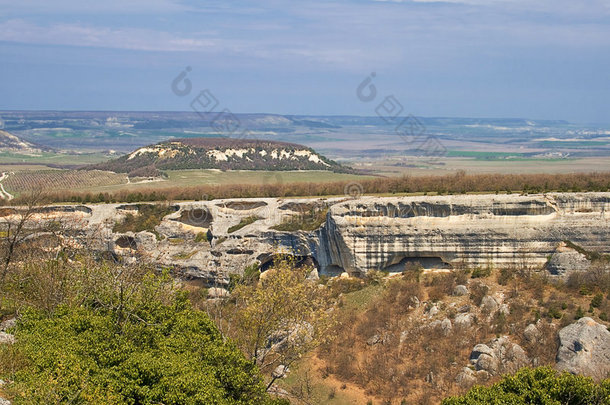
459, 183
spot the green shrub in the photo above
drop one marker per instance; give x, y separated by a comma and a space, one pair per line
375, 277
541, 385
309, 221
596, 302
150, 354
481, 272
554, 313
202, 237
244, 222
147, 218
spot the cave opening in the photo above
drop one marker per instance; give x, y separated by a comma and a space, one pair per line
427, 262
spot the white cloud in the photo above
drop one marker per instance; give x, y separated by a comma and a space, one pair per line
21, 31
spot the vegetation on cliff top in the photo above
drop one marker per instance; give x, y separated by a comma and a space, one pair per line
459, 183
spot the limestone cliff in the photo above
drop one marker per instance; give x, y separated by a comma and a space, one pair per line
210, 239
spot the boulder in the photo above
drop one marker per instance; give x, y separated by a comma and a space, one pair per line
444, 326
6, 338
373, 340
531, 333
463, 320
466, 378
504, 309
217, 292
433, 310
584, 348
280, 371
8, 324
499, 356
566, 261
460, 290
489, 304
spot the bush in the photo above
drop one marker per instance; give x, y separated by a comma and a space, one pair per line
147, 218
202, 237
481, 272
477, 292
537, 386
244, 222
141, 351
596, 302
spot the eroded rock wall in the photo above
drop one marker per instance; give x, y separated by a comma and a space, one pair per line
204, 240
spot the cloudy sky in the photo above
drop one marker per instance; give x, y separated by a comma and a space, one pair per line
542, 59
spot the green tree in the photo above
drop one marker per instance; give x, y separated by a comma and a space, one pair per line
280, 318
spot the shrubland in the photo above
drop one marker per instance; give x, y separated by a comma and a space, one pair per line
92, 332
95, 331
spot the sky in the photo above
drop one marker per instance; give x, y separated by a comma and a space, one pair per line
541, 59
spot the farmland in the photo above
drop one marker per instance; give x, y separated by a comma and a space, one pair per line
96, 181
54, 180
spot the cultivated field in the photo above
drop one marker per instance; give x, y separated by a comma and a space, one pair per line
97, 181
55, 180
414, 166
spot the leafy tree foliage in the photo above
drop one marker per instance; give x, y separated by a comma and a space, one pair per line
542, 386
134, 340
281, 317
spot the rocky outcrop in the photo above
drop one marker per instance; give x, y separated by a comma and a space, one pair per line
566, 260
387, 233
585, 349
498, 357
209, 240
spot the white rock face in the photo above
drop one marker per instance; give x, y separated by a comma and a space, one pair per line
584, 348
359, 235
384, 233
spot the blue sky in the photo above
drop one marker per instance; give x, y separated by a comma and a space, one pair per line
546, 59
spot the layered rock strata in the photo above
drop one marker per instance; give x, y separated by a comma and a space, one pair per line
209, 240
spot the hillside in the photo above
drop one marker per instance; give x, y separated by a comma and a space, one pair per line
218, 153
14, 144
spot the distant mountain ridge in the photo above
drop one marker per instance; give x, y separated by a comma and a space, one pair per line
218, 153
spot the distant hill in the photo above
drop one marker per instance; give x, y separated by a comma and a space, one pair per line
219, 153
14, 144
